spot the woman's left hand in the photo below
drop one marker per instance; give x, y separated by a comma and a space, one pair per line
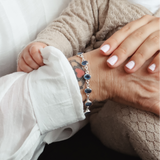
139, 39
137, 89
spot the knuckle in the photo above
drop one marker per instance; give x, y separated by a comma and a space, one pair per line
33, 50
26, 69
40, 63
38, 60
138, 34
140, 55
121, 50
35, 66
155, 39
22, 66
126, 28
28, 59
114, 41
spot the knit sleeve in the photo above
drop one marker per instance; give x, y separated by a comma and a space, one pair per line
73, 29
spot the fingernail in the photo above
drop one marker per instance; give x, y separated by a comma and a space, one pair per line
105, 48
130, 64
112, 60
152, 67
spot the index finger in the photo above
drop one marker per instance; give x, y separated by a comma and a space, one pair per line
118, 37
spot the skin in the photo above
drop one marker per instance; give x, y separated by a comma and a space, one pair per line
79, 72
140, 40
30, 58
136, 89
96, 72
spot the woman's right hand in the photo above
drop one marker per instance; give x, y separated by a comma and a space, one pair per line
137, 89
138, 40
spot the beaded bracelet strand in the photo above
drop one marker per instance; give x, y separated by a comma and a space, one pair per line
87, 77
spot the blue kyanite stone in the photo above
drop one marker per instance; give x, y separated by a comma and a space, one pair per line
87, 76
88, 103
84, 63
88, 90
79, 53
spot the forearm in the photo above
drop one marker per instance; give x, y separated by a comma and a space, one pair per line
73, 29
97, 66
138, 89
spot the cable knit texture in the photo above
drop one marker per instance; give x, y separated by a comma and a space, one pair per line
83, 26
84, 20
126, 129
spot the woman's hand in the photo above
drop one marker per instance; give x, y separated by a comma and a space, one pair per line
100, 75
30, 58
137, 89
139, 39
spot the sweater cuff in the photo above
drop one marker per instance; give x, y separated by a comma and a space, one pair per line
57, 40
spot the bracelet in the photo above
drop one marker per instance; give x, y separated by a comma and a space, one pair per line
87, 77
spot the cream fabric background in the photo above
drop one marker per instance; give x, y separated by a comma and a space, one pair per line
20, 21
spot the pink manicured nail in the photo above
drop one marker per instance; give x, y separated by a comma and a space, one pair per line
152, 67
112, 60
130, 64
105, 48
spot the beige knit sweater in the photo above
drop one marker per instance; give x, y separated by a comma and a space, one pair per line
83, 26
88, 23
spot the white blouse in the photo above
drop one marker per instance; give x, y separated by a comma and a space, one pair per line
41, 107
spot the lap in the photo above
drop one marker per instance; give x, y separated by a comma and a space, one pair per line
127, 130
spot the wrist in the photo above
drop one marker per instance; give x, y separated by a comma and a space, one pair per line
100, 75
79, 72
101, 81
